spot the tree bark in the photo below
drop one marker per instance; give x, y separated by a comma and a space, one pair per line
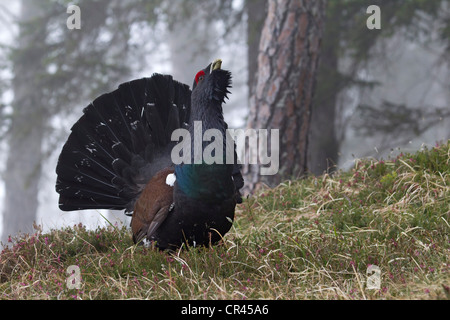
287, 66
23, 166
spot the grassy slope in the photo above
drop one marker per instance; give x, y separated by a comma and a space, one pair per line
306, 239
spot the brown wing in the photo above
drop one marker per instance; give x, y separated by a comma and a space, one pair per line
152, 207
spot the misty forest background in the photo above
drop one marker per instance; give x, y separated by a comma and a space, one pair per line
377, 92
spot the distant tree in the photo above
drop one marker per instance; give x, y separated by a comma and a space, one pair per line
398, 120
55, 68
346, 37
27, 125
190, 36
287, 66
256, 11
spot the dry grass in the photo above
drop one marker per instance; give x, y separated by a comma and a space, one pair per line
308, 239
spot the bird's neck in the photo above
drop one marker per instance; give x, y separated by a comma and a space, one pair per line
207, 129
199, 178
210, 117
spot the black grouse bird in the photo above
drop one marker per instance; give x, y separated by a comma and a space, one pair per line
118, 156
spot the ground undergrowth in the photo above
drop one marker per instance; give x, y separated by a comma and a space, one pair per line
378, 231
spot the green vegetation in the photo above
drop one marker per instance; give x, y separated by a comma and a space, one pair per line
308, 239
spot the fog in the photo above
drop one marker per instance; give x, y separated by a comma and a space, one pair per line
408, 71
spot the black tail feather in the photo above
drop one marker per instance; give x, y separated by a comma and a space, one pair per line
118, 143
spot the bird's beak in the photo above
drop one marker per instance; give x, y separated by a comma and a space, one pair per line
216, 65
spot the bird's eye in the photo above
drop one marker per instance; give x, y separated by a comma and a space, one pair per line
200, 76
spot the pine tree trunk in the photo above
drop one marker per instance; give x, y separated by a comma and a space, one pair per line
23, 167
287, 67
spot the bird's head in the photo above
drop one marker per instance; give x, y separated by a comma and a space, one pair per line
212, 83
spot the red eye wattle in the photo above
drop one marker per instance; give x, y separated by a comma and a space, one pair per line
199, 77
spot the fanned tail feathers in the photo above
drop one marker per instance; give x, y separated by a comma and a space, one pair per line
120, 142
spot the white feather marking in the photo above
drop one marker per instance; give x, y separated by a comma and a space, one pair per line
170, 179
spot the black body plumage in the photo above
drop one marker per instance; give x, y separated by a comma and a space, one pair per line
123, 141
